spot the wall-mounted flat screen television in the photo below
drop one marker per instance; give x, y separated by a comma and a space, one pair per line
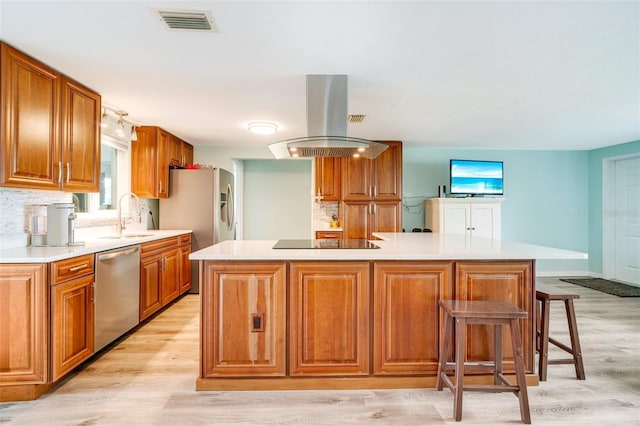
474, 177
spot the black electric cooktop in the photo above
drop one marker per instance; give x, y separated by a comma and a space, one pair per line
325, 244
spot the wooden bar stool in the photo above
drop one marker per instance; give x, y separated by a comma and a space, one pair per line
464, 312
544, 298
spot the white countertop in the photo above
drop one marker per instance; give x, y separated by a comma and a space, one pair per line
92, 245
393, 246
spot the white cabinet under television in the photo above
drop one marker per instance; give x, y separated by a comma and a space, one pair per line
479, 217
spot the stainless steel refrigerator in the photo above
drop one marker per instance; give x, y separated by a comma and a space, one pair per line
200, 200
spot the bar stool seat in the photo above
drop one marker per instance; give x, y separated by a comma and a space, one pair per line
459, 313
545, 297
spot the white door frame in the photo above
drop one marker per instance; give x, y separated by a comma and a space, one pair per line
608, 218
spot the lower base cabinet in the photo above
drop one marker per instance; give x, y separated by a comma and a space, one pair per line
504, 281
72, 331
243, 319
329, 311
24, 327
159, 275
407, 321
346, 324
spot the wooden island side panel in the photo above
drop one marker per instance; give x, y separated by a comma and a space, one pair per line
406, 318
243, 319
329, 311
504, 281
335, 324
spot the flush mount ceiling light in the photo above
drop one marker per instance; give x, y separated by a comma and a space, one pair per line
262, 127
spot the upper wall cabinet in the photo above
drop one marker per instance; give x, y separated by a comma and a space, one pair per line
50, 136
150, 163
379, 179
327, 171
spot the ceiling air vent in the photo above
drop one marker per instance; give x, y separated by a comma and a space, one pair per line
356, 118
190, 20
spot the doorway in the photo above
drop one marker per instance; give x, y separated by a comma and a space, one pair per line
621, 219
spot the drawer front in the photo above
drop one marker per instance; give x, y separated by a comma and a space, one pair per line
184, 240
75, 267
153, 247
328, 235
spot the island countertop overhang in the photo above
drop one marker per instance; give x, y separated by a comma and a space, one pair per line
393, 246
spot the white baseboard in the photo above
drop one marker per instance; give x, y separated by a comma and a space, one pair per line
568, 274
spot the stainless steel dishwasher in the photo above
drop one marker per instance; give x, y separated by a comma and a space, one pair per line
117, 294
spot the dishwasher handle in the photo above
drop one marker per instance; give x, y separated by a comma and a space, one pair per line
118, 253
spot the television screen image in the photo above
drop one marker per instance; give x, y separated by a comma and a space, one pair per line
472, 177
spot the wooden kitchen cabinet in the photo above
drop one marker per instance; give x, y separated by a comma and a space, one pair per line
72, 313
377, 179
407, 323
150, 157
327, 178
80, 138
24, 331
184, 250
187, 153
372, 193
243, 311
159, 275
504, 281
362, 218
328, 235
329, 313
50, 137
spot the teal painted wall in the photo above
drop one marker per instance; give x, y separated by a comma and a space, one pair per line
596, 157
276, 199
546, 195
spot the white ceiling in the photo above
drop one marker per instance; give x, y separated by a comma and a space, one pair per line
448, 74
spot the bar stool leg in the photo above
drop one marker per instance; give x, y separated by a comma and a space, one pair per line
576, 351
544, 340
447, 336
518, 359
497, 353
461, 349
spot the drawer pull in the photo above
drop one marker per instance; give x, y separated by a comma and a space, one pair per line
79, 267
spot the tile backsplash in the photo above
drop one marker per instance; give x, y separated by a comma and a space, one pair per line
14, 215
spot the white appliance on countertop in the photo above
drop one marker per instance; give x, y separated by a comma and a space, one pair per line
201, 200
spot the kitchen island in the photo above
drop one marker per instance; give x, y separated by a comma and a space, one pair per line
354, 318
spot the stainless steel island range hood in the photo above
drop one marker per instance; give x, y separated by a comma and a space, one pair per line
327, 117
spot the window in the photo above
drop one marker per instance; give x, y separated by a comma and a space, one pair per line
114, 177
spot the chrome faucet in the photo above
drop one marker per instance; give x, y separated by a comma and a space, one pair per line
121, 222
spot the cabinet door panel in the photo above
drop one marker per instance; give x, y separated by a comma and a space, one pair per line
356, 218
329, 318
164, 157
187, 153
387, 217
170, 287
72, 331
150, 294
185, 268
30, 116
356, 179
406, 318
80, 138
243, 316
505, 281
387, 173
24, 319
485, 220
328, 178
456, 218
143, 163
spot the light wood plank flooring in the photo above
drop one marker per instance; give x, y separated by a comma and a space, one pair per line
148, 378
